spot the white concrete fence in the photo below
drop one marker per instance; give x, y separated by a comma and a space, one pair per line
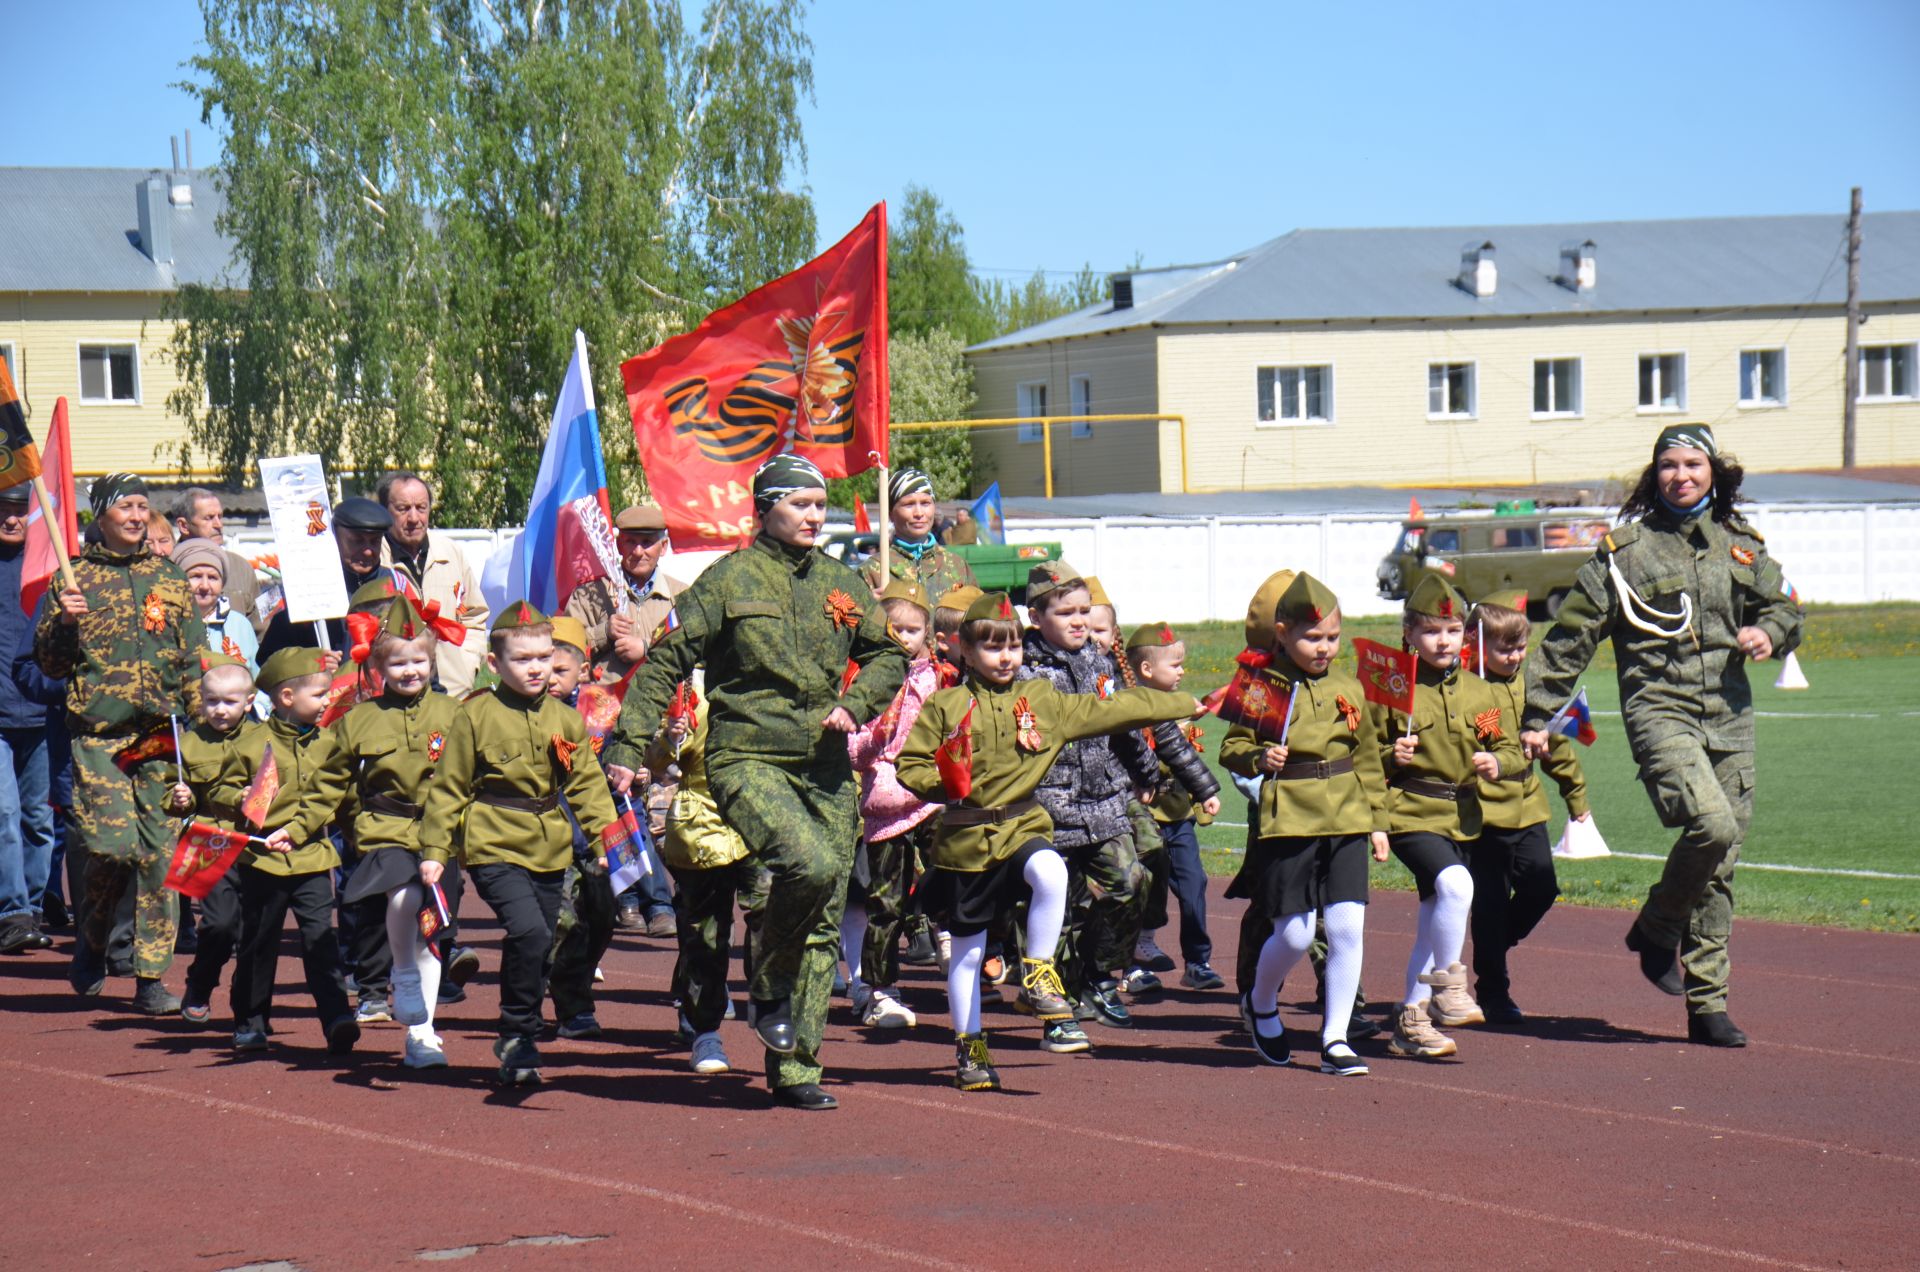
1189, 569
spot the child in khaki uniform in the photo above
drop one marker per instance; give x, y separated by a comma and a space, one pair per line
1434, 766
511, 754
1514, 884
1322, 800
997, 737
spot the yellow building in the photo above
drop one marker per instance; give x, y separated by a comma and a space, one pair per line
91, 258
1538, 353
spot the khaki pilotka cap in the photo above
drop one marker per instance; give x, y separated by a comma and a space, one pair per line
569, 631
1055, 576
1437, 598
1306, 600
906, 590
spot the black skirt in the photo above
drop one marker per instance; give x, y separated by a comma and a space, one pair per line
966, 902
1426, 855
1300, 874
380, 872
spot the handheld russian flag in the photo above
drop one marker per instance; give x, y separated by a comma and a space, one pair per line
987, 514
568, 538
625, 845
1574, 720
435, 915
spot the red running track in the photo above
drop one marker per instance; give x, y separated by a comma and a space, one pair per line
1590, 1137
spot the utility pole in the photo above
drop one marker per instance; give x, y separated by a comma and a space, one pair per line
1847, 438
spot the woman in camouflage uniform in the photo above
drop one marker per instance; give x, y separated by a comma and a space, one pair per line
915, 554
1686, 592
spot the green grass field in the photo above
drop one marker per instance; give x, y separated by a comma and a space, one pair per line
1828, 777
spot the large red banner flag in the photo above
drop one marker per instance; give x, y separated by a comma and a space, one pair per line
42, 561
800, 365
19, 457
1386, 675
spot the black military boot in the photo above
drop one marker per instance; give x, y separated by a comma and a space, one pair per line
1659, 963
1714, 1029
152, 997
773, 1022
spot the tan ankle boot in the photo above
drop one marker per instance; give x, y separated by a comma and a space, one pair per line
1414, 1036
1452, 1006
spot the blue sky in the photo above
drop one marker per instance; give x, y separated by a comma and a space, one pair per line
1063, 133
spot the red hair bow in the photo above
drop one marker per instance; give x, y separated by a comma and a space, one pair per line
361, 631
450, 630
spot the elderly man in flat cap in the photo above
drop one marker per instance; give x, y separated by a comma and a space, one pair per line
359, 526
439, 571
624, 617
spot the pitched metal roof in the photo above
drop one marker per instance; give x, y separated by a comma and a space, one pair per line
1709, 264
77, 230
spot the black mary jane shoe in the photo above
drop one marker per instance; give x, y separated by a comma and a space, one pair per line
1660, 964
805, 1096
1714, 1029
1270, 1050
773, 1022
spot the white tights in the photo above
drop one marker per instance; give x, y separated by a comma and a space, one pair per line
853, 937
413, 959
1442, 933
1046, 875
1292, 934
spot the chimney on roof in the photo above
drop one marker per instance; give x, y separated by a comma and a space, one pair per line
179, 186
1578, 271
1479, 276
156, 231
1122, 291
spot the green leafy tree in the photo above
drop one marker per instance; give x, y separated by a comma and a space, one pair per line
930, 284
928, 380
429, 196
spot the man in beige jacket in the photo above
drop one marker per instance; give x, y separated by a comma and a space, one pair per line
624, 616
439, 569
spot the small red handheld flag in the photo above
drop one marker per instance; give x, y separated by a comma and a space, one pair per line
861, 523
1255, 698
262, 790
202, 856
954, 759
1386, 675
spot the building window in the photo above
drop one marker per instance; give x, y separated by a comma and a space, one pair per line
1294, 395
1080, 396
109, 373
1032, 400
1663, 381
1556, 387
1450, 390
1763, 377
1886, 372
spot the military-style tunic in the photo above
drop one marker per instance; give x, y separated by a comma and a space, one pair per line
1331, 723
1455, 714
300, 752
939, 570
1519, 799
125, 660
596, 601
1004, 772
386, 749
527, 751
218, 767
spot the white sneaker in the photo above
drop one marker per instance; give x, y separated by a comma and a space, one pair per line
424, 1051
1148, 954
708, 1055
943, 950
884, 1011
408, 1004
598, 976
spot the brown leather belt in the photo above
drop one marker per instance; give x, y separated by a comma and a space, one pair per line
518, 803
1430, 788
1319, 770
958, 815
392, 807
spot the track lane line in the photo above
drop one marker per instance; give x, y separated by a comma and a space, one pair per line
685, 1201
1349, 1179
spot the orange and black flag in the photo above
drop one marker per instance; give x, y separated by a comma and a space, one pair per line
19, 457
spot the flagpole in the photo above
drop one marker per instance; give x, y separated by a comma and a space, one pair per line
886, 527
50, 517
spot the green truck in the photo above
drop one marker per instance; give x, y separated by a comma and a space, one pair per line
997, 567
1512, 546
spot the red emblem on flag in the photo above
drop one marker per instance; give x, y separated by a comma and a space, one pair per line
799, 364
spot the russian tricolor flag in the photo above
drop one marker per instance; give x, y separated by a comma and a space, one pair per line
568, 537
1575, 720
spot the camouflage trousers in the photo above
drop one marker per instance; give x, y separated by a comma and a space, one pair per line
1106, 894
800, 821
704, 907
1708, 797
123, 831
581, 935
891, 867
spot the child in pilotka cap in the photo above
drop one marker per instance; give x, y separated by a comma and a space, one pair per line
984, 748
511, 754
1321, 803
1514, 884
1156, 657
584, 927
293, 868
218, 755
1086, 795
948, 610
1435, 762
374, 780
897, 827
1103, 623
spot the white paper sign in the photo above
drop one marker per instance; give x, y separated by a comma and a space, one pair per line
302, 517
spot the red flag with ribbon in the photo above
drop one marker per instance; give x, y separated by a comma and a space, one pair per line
1386, 675
799, 364
1255, 698
954, 759
202, 856
42, 561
